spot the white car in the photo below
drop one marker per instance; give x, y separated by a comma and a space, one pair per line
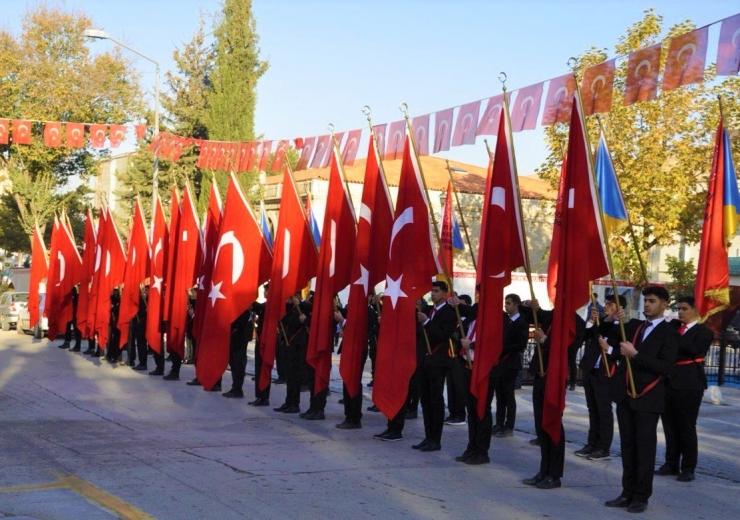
11, 303
24, 320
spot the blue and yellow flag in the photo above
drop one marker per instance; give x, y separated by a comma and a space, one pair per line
265, 226
612, 204
731, 196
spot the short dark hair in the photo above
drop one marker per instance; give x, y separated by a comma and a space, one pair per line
441, 285
660, 292
465, 298
514, 298
622, 300
687, 299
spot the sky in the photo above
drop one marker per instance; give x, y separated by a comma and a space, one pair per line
328, 59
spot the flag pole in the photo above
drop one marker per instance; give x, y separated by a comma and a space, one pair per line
527, 266
462, 217
572, 62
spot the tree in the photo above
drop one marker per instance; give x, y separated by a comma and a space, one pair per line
48, 74
683, 277
662, 149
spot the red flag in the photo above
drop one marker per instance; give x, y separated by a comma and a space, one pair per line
75, 135
136, 271
69, 273
242, 154
728, 52
445, 234
117, 135
178, 144
306, 153
642, 75
687, 55
214, 155
39, 271
369, 267
411, 265
187, 242
53, 134
294, 264
112, 265
154, 145
501, 250
442, 130
171, 252
338, 136
597, 88
21, 131
339, 235
205, 150
265, 155
526, 108
241, 264
559, 100
219, 161
97, 135
52, 304
420, 130
86, 276
394, 143
349, 152
252, 156
489, 123
92, 310
155, 301
280, 156
322, 148
581, 258
467, 124
379, 131
205, 265
4, 126
140, 131
552, 266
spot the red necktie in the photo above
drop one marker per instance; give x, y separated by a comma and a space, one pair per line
682, 329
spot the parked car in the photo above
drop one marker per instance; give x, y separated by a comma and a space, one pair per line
24, 320
11, 303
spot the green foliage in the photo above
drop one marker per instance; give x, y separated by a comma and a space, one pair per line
683, 277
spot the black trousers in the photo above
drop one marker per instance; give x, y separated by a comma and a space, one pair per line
506, 399
412, 399
431, 393
457, 388
238, 362
479, 430
131, 351
142, 347
637, 432
572, 366
552, 456
176, 363
296, 357
259, 394
158, 361
353, 405
72, 332
397, 423
281, 357
600, 416
679, 426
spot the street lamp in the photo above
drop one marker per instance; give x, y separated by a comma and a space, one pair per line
102, 35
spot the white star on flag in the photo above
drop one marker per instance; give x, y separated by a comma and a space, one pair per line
393, 290
364, 278
157, 284
215, 293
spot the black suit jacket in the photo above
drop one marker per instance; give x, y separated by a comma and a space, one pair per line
516, 335
694, 344
439, 330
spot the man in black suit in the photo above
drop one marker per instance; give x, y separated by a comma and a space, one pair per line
295, 325
597, 386
242, 330
684, 391
651, 349
438, 327
262, 397
516, 335
457, 381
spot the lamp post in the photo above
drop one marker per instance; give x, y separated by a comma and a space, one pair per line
102, 35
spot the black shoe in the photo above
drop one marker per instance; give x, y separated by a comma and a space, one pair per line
686, 476
315, 416
349, 425
620, 501
420, 445
95, 354
506, 432
382, 434
413, 414
637, 507
278, 381
140, 368
341, 401
666, 469
64, 345
373, 408
585, 451
194, 382
88, 351
478, 459
234, 394
465, 456
74, 349
535, 441
292, 409
496, 428
455, 421
303, 415
600, 455
172, 377
157, 372
215, 388
539, 477
392, 437
254, 378
281, 408
260, 401
572, 387
431, 446
370, 384
548, 483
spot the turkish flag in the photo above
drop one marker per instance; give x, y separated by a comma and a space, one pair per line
349, 152
178, 145
323, 146
307, 150
241, 264
334, 271
39, 271
171, 252
183, 278
155, 300
74, 135
489, 123
526, 108
110, 272
117, 135
53, 134
559, 100
205, 264
641, 83
265, 155
86, 276
445, 234
581, 258
204, 150
687, 55
92, 310
597, 87
552, 266
97, 135
293, 265
241, 157
154, 145
219, 160
500, 251
338, 140
379, 131
728, 51
442, 130
140, 131
4, 126
412, 262
52, 303
467, 124
68, 274
280, 156
136, 271
21, 131
394, 142
214, 155
420, 131
369, 267
252, 156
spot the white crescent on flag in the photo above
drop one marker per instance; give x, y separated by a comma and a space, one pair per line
333, 246
286, 254
237, 255
62, 267
407, 217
